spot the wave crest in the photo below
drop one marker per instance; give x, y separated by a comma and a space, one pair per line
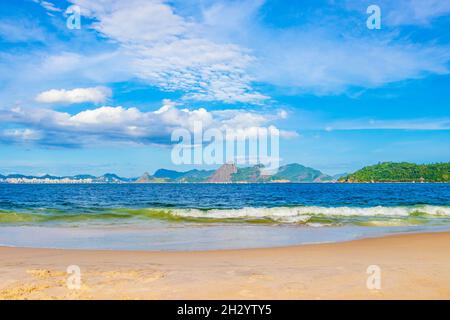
308, 215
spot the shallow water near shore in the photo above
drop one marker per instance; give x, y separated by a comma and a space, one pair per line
189, 238
214, 216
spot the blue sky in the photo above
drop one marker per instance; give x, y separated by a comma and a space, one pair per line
106, 97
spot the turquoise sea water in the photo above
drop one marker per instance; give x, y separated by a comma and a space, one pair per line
214, 216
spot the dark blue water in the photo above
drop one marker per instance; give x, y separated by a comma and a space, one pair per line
223, 196
214, 216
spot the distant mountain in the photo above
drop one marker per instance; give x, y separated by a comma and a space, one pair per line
196, 176
186, 176
110, 178
168, 174
288, 173
249, 174
81, 176
401, 172
228, 173
339, 175
147, 178
295, 172
19, 176
224, 174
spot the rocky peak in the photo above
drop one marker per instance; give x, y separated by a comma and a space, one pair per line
223, 174
146, 177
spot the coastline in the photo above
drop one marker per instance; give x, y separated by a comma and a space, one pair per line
413, 266
227, 183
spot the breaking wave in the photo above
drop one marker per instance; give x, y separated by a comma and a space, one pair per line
304, 215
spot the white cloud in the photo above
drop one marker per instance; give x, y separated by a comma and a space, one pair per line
319, 62
78, 95
23, 30
413, 12
218, 51
205, 70
167, 50
151, 20
331, 51
47, 5
395, 124
108, 124
20, 135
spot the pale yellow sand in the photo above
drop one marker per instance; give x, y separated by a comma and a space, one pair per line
412, 266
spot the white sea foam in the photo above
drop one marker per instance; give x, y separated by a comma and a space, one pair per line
303, 214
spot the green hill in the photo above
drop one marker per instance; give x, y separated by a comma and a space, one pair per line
249, 174
295, 172
228, 173
401, 172
195, 176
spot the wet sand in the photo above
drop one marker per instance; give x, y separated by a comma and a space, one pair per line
413, 266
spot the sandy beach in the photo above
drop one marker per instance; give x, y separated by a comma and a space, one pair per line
414, 266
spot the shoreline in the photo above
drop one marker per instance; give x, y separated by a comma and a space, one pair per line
442, 229
413, 266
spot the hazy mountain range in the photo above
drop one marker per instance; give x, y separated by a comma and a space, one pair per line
228, 173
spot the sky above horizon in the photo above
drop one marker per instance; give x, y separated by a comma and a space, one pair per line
105, 97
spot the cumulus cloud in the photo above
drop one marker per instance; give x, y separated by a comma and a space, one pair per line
130, 125
78, 95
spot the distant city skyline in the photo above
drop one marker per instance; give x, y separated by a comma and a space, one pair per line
106, 97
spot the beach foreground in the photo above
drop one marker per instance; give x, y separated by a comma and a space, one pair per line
414, 266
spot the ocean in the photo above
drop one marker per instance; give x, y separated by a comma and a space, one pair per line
214, 216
